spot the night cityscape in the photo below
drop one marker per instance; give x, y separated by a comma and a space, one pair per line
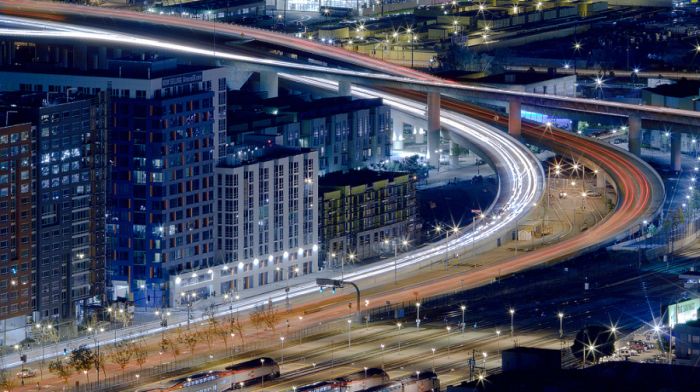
350, 195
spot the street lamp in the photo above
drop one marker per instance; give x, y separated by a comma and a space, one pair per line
349, 328
282, 351
498, 340
262, 378
418, 315
561, 325
382, 347
481, 216
462, 325
398, 325
300, 319
190, 297
512, 313
591, 350
448, 328
433, 350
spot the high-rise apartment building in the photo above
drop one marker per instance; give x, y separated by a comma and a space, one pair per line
67, 182
266, 221
166, 123
16, 246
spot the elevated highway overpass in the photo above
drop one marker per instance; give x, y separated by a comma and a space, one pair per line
640, 189
382, 74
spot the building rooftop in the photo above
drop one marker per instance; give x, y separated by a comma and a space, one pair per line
151, 67
256, 153
356, 177
605, 377
198, 6
19, 106
681, 89
304, 108
510, 77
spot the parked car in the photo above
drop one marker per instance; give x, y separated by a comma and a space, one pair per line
26, 373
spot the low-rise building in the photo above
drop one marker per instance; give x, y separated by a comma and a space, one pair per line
529, 82
347, 133
365, 213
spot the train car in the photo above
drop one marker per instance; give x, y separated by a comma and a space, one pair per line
423, 382
200, 382
363, 380
321, 386
253, 371
359, 381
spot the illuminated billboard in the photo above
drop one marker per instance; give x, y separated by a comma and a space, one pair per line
682, 312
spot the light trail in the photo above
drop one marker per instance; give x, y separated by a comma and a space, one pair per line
399, 74
525, 175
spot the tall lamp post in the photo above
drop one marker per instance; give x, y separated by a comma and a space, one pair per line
97, 348
398, 325
561, 324
448, 328
396, 253
463, 325
512, 314
190, 297
418, 316
163, 315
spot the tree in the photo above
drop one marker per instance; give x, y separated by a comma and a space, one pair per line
168, 344
61, 369
82, 359
237, 327
190, 339
7, 382
100, 362
212, 329
271, 317
140, 354
121, 355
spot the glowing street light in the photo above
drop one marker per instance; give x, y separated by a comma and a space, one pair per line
512, 314
561, 324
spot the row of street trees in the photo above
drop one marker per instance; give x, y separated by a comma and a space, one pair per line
84, 359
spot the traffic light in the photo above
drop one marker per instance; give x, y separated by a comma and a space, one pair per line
23, 358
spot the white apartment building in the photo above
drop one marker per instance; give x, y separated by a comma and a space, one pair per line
266, 219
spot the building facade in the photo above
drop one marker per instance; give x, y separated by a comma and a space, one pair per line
365, 213
347, 133
266, 221
17, 283
167, 121
69, 198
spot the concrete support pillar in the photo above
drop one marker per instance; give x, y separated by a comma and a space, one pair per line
64, 57
80, 57
676, 151
635, 135
56, 54
600, 179
397, 135
8, 52
95, 62
116, 53
102, 57
433, 129
514, 118
344, 88
42, 53
454, 158
269, 83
